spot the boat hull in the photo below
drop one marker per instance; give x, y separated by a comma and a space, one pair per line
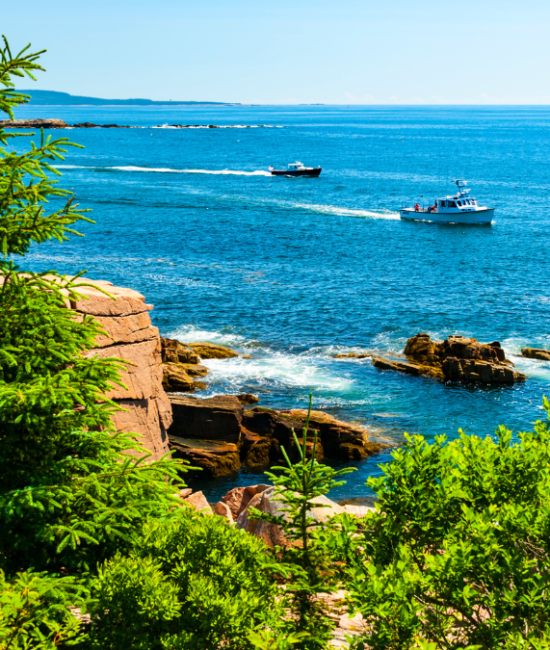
478, 217
296, 172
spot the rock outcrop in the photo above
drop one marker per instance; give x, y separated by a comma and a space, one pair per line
458, 358
536, 353
336, 439
180, 366
130, 336
207, 432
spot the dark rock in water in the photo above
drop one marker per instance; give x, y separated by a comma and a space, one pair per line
458, 358
536, 353
484, 372
90, 125
173, 351
215, 418
336, 439
247, 398
215, 458
353, 355
212, 351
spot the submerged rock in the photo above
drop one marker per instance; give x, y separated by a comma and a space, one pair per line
353, 355
536, 353
458, 358
212, 351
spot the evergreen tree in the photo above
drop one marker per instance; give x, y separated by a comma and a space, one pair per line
70, 493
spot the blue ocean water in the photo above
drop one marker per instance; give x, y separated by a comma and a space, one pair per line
293, 271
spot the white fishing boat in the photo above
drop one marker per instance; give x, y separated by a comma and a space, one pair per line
461, 208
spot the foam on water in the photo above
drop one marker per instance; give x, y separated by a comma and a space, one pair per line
274, 370
348, 212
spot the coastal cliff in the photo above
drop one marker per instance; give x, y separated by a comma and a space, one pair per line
131, 336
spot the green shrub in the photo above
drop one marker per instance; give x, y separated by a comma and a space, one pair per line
34, 614
194, 583
458, 552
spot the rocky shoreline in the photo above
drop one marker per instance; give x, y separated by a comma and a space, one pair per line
220, 435
61, 124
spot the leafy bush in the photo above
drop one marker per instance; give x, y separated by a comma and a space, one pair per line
189, 584
458, 552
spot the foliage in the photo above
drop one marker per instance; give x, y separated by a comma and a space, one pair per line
70, 492
193, 583
458, 552
305, 558
33, 612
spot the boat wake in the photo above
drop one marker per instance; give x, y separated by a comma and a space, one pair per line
348, 212
168, 170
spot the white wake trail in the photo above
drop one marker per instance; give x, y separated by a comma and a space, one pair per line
168, 170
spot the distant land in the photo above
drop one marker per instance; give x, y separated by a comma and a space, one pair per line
54, 98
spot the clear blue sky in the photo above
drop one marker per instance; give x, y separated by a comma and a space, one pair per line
291, 51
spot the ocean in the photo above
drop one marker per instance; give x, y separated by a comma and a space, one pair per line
294, 271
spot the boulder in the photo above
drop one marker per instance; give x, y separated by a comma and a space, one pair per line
214, 457
247, 398
198, 501
458, 358
266, 501
175, 379
536, 353
212, 350
353, 355
223, 510
175, 352
215, 418
238, 498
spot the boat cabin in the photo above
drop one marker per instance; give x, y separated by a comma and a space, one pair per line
295, 166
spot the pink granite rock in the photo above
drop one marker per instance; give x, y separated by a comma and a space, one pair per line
222, 510
129, 335
198, 501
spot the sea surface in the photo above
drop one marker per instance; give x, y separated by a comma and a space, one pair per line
294, 271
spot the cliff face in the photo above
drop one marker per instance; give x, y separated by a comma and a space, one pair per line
131, 336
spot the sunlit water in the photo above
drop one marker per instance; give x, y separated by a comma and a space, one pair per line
292, 271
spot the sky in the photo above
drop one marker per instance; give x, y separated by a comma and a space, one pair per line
290, 51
